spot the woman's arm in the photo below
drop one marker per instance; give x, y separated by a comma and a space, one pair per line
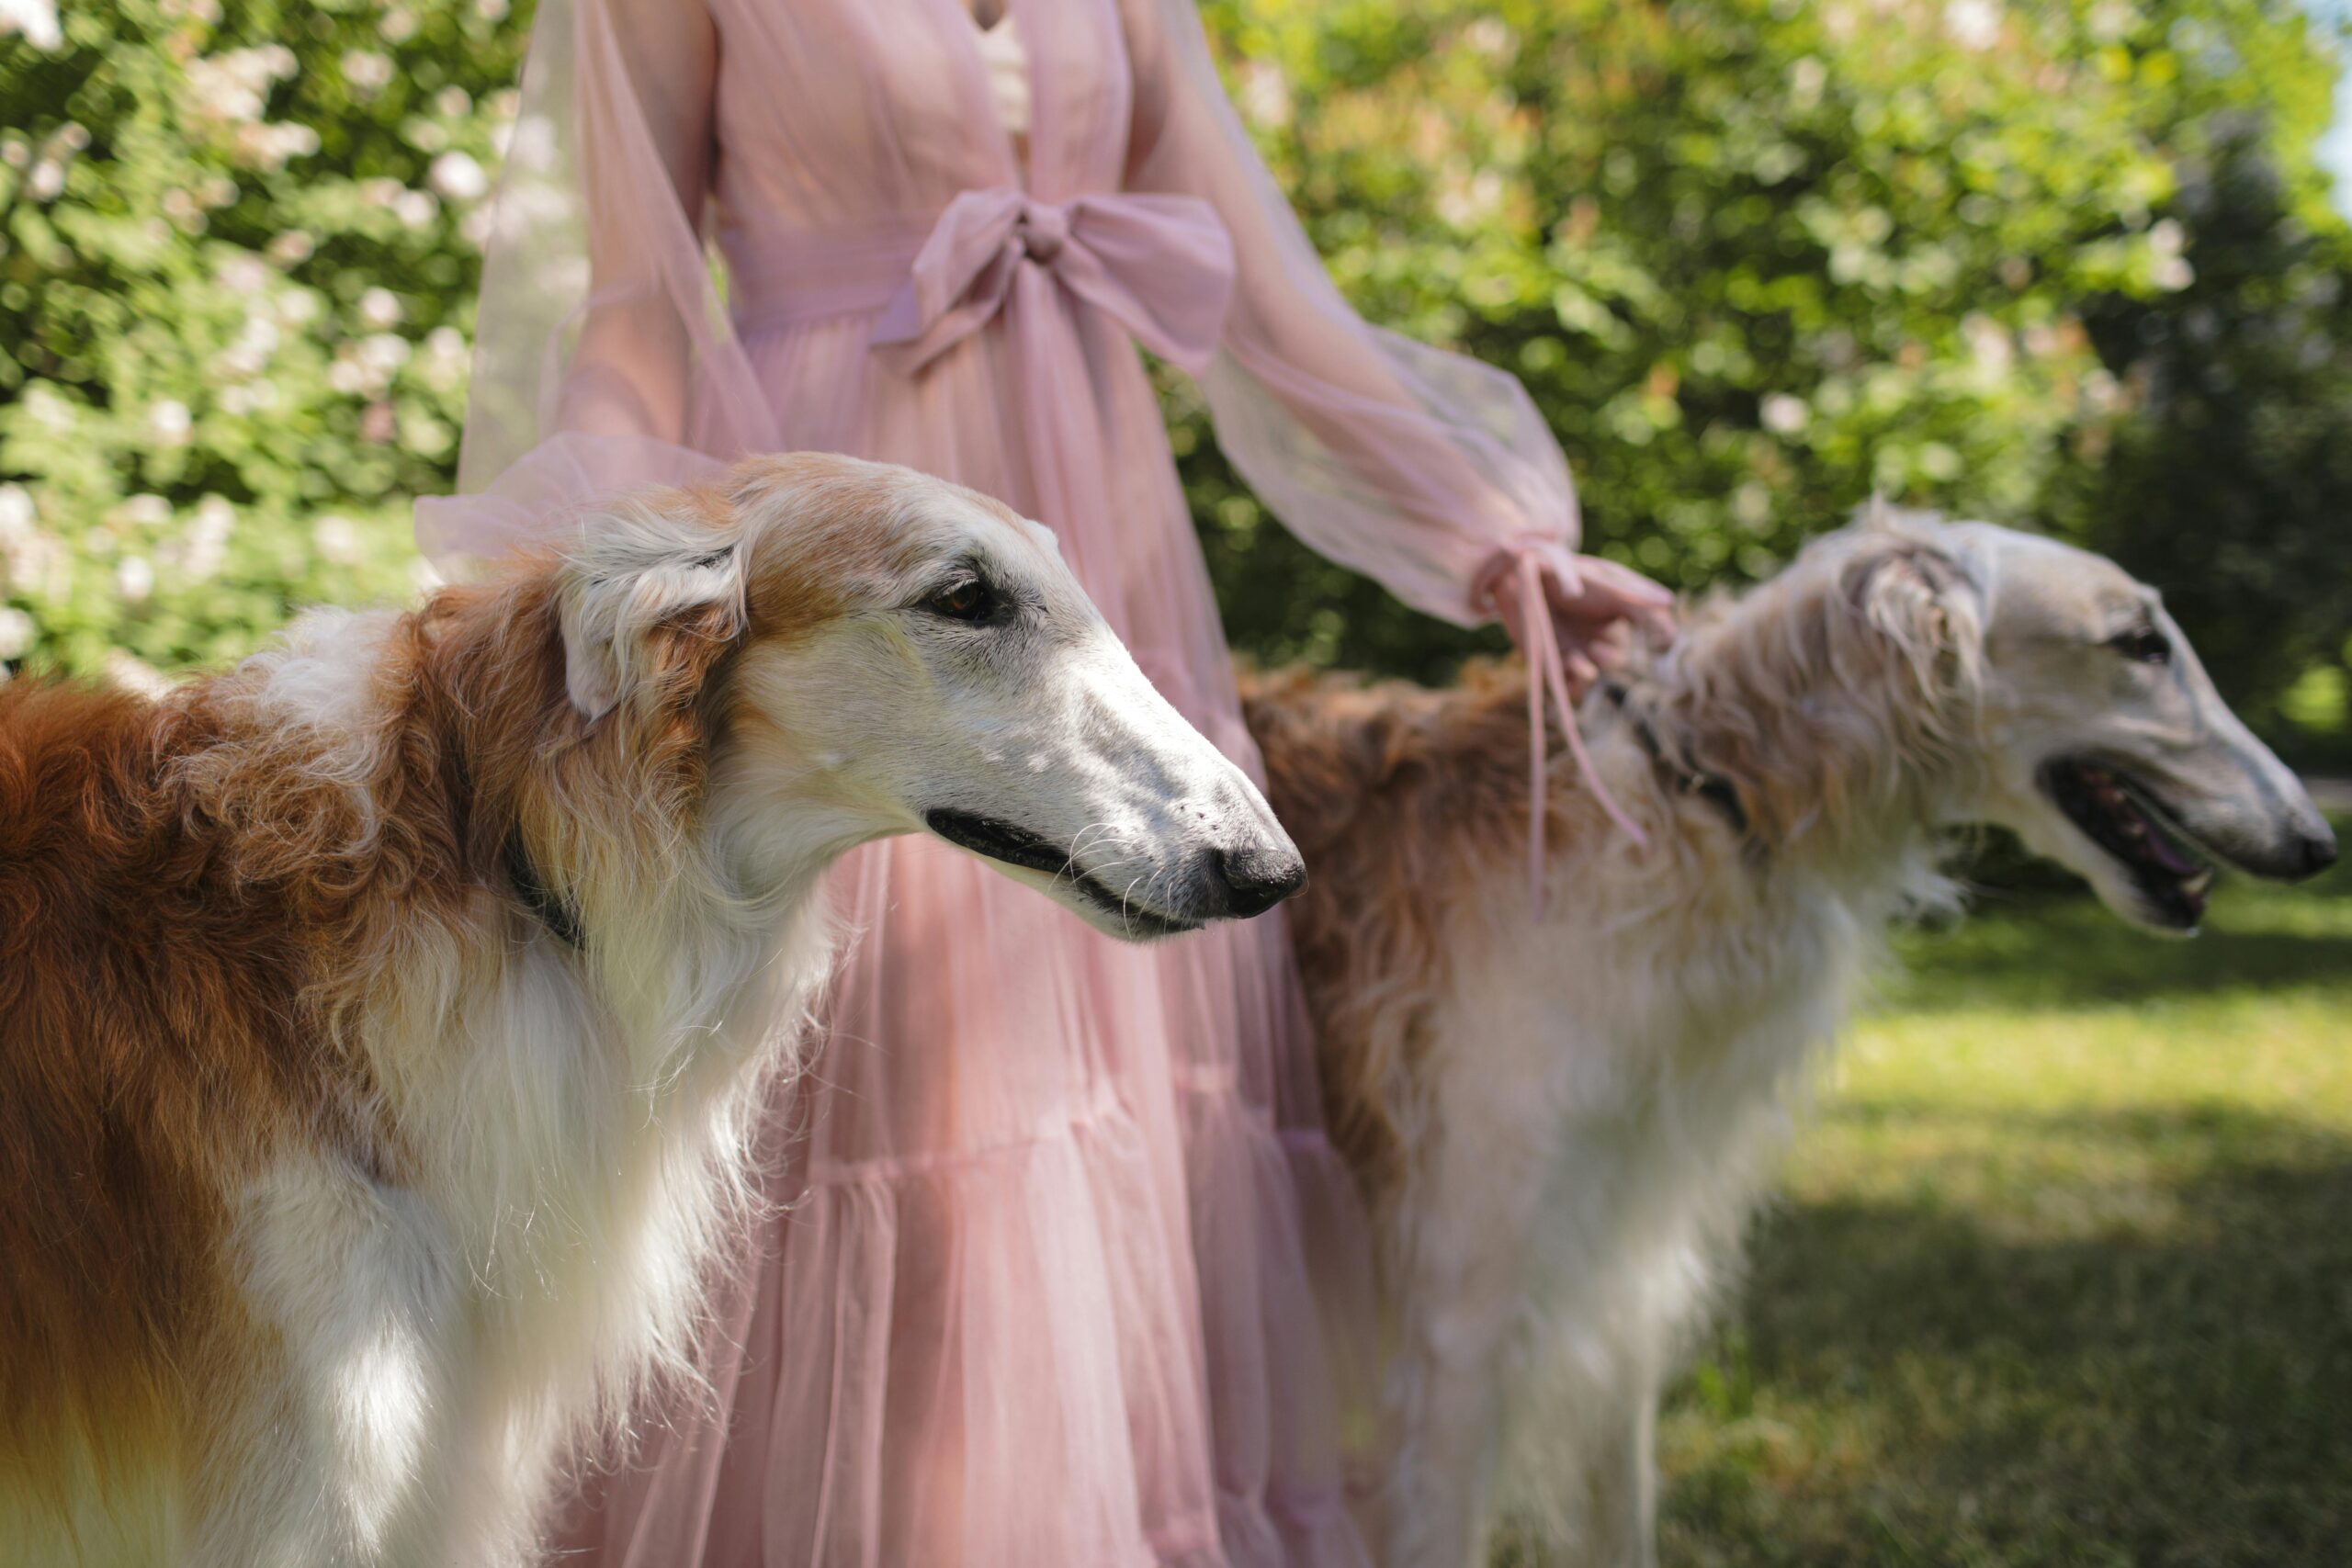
645, 72
1430, 471
603, 358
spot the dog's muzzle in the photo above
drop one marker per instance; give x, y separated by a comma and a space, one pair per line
1218, 883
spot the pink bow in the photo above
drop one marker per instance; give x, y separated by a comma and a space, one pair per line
1161, 264
1545, 669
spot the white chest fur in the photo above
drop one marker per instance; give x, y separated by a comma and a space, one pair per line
446, 1343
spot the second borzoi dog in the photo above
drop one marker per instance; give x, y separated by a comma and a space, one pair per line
1564, 1122
381, 1023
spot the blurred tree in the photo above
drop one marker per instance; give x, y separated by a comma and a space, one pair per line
2066, 262
1757, 259
2233, 486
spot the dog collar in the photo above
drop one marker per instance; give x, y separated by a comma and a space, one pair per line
1712, 788
560, 918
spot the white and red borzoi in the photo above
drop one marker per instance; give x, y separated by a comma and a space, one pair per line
1564, 1122
381, 1023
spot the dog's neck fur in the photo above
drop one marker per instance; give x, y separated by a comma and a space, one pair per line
575, 1121
1839, 703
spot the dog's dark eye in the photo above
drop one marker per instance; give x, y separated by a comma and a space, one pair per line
967, 599
2142, 645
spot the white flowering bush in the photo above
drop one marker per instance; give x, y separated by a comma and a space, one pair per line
237, 269
2070, 263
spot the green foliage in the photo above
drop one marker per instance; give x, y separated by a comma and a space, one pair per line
2066, 263
2245, 387
1758, 260
236, 285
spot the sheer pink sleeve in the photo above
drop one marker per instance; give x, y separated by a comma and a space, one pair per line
1417, 467
604, 356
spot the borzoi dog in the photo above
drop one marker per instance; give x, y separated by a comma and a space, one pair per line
381, 1023
1564, 1121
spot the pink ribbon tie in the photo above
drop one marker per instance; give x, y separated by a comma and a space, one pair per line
1546, 669
1161, 264
1163, 268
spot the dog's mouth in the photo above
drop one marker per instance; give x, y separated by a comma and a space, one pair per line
996, 841
2123, 818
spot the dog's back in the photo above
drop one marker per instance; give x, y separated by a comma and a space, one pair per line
148, 1040
1407, 802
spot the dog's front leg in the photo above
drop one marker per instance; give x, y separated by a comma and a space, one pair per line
497, 1485
337, 1459
263, 1494
1621, 1482
1461, 1291
1443, 1409
1586, 1469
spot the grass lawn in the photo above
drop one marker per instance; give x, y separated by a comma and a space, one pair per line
2063, 1274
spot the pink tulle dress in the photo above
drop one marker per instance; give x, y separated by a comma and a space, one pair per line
1061, 1265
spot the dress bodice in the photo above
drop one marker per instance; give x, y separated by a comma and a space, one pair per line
824, 145
833, 115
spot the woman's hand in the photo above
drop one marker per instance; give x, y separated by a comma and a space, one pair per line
1598, 608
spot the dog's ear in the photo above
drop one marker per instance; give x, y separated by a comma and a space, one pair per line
650, 600
1920, 604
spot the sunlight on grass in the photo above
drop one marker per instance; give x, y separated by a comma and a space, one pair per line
2063, 1273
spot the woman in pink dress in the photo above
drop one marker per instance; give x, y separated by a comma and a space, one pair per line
1060, 1259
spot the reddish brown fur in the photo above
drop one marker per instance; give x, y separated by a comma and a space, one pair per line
1408, 802
145, 1013
185, 914
236, 926
845, 545
1401, 798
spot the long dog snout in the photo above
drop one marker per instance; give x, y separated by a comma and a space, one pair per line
2122, 760
2309, 846
1229, 858
2248, 806
1123, 810
1247, 863
2304, 850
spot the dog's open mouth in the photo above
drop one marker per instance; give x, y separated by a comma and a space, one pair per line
996, 841
2122, 818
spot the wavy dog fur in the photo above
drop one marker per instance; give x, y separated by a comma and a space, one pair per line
235, 923
1563, 1123
1408, 801
339, 1191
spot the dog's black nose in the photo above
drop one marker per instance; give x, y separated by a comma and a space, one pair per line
1251, 881
2319, 853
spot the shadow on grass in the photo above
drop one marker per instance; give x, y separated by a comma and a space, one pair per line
1910, 1382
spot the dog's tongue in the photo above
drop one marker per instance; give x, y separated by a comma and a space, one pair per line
2167, 853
